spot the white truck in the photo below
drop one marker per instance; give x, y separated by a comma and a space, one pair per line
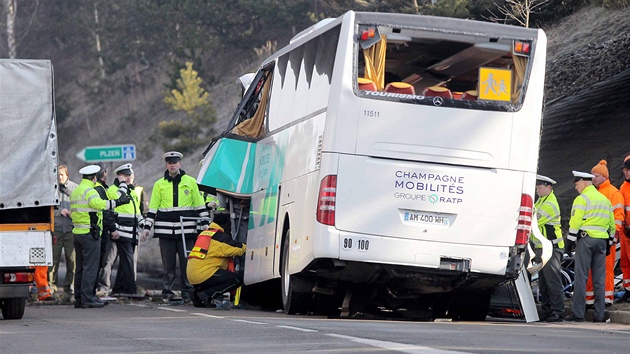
28, 177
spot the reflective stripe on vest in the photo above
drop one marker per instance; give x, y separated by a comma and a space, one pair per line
200, 250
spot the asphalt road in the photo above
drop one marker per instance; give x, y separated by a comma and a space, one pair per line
148, 327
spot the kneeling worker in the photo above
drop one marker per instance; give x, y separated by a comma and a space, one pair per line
207, 265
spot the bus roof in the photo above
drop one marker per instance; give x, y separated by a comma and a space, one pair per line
421, 22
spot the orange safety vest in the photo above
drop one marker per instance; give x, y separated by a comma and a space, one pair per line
200, 249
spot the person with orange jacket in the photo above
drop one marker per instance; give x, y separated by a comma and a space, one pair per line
603, 185
624, 237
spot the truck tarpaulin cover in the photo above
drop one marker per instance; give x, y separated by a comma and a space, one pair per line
28, 135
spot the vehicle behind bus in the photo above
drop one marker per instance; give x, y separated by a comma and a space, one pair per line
28, 177
389, 163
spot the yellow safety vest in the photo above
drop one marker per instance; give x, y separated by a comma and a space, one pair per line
83, 201
548, 214
592, 213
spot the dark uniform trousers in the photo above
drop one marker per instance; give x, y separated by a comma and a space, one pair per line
126, 274
550, 283
88, 252
169, 250
590, 254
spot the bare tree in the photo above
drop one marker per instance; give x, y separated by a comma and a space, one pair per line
10, 8
97, 38
518, 10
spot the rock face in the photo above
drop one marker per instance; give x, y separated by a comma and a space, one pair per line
587, 111
585, 48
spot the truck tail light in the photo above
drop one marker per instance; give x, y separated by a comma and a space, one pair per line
326, 200
524, 226
18, 277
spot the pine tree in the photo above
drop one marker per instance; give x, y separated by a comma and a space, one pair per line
190, 133
190, 95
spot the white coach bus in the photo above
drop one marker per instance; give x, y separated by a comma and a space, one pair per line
388, 161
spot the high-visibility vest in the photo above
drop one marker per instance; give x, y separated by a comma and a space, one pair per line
592, 213
548, 214
616, 199
87, 207
171, 199
129, 214
200, 249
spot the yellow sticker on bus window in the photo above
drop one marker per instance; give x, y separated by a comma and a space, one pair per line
495, 84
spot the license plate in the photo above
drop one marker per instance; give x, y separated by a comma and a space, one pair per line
426, 218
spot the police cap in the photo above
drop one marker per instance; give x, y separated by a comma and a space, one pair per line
124, 170
172, 156
90, 170
582, 176
540, 179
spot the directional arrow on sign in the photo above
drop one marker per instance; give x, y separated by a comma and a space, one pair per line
108, 153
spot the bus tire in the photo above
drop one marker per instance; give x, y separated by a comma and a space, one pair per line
13, 309
296, 295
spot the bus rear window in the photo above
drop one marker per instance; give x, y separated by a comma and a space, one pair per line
463, 70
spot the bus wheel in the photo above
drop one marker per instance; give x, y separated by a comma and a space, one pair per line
297, 295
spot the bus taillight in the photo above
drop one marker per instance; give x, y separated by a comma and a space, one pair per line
524, 226
522, 48
368, 33
326, 200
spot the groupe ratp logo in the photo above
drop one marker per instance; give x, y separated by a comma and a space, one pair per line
433, 198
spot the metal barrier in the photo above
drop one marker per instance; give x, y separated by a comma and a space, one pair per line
183, 218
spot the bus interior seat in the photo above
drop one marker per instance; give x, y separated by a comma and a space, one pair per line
457, 95
437, 91
400, 87
470, 95
366, 84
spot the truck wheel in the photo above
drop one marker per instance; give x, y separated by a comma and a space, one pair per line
13, 309
297, 296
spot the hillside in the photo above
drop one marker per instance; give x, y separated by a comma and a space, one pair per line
588, 47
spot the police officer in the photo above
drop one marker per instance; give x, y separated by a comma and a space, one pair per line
591, 226
109, 253
86, 208
128, 221
548, 215
174, 196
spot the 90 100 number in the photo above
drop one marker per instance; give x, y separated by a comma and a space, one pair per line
361, 244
